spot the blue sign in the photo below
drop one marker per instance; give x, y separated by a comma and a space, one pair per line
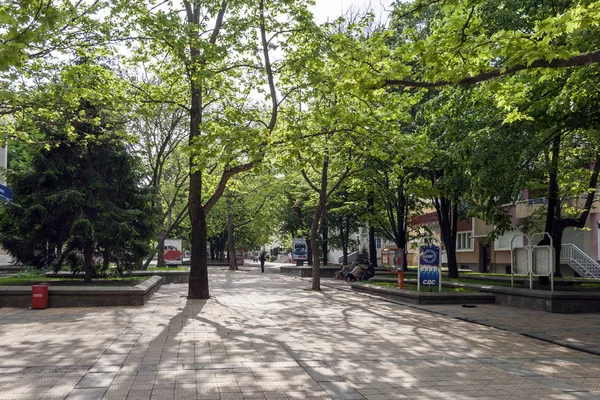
430, 255
429, 275
6, 193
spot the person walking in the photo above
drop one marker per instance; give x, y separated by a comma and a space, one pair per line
262, 258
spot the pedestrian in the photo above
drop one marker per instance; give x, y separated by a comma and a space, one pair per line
262, 258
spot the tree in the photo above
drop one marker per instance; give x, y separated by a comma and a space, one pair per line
472, 42
161, 138
346, 208
395, 198
221, 68
248, 202
79, 195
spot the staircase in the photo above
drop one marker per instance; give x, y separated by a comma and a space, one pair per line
352, 257
581, 263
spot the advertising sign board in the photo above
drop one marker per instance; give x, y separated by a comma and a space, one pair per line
173, 251
429, 255
429, 266
299, 249
429, 275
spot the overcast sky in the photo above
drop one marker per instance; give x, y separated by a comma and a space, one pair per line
332, 9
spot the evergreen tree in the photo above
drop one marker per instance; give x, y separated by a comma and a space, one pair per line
78, 198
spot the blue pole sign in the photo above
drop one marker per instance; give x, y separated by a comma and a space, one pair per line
6, 193
429, 266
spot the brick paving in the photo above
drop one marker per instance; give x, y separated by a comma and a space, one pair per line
266, 336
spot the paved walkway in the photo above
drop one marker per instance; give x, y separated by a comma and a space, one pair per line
266, 336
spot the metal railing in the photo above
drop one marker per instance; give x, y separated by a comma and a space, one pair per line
579, 261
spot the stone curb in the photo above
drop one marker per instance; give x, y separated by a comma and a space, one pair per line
84, 296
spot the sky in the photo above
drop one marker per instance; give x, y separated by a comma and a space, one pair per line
332, 9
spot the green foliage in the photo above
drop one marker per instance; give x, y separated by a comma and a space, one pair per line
84, 189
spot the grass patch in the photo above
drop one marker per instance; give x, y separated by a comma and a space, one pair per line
559, 284
483, 282
168, 269
34, 277
424, 289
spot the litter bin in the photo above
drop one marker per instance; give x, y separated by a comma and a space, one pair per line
39, 296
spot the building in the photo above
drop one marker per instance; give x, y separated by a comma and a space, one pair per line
474, 250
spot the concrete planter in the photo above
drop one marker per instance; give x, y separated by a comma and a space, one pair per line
84, 296
414, 297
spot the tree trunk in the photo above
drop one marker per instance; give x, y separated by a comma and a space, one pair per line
553, 190
160, 262
309, 251
448, 218
88, 262
230, 239
345, 239
105, 259
314, 244
212, 248
325, 234
314, 231
402, 223
198, 286
372, 243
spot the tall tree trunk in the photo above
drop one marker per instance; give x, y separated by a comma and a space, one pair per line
325, 234
160, 262
372, 243
88, 262
233, 266
447, 211
402, 223
553, 200
105, 259
404, 239
314, 244
345, 239
314, 231
309, 251
213, 251
198, 286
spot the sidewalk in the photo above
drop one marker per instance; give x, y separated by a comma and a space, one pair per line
266, 336
576, 331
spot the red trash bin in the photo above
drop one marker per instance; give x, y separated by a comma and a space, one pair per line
39, 296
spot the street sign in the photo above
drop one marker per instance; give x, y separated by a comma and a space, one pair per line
299, 249
6, 193
173, 251
429, 267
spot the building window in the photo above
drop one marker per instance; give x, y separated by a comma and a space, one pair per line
464, 241
503, 241
378, 243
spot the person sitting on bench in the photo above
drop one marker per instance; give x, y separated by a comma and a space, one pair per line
368, 273
342, 272
353, 275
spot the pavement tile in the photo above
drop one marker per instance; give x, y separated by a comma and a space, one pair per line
97, 380
264, 336
86, 394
